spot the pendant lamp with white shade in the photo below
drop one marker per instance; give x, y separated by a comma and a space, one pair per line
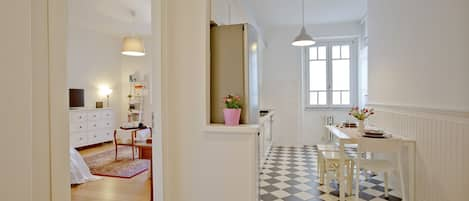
303, 39
133, 45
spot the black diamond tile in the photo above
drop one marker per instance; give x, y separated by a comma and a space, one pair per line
391, 198
273, 174
374, 181
314, 191
336, 193
380, 188
276, 164
269, 188
292, 182
275, 168
268, 197
292, 198
362, 188
365, 196
291, 169
272, 181
292, 190
292, 176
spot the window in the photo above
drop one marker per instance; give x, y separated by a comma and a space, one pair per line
330, 75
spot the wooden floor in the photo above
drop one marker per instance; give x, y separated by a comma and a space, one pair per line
112, 189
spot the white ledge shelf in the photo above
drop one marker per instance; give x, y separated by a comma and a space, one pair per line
241, 129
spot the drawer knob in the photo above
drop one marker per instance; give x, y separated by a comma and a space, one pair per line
80, 127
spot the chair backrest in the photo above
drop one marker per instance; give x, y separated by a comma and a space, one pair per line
375, 145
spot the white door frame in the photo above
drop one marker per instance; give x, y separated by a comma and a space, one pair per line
60, 170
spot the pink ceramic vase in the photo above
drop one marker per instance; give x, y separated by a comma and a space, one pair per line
231, 116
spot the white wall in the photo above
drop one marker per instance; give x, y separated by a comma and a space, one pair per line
199, 166
419, 57
418, 71
94, 60
282, 84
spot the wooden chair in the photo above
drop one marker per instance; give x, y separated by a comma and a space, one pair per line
128, 138
321, 148
330, 164
389, 147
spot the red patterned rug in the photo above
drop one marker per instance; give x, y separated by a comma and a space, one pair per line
103, 164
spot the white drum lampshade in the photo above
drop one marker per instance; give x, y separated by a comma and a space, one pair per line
133, 46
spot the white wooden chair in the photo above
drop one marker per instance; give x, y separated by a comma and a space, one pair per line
330, 165
321, 148
388, 147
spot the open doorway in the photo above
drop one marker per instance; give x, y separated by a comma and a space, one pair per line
109, 80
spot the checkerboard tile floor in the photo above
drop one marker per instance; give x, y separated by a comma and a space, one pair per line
289, 174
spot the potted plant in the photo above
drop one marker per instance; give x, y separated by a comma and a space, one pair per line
232, 111
361, 115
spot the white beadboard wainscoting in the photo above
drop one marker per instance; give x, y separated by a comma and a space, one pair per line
442, 148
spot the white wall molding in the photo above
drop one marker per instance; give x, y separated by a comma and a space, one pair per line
458, 116
442, 147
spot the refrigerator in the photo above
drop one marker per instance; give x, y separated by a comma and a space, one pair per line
234, 69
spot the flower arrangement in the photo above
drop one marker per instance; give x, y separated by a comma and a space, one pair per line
232, 102
361, 114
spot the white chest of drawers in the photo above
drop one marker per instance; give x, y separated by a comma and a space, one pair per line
90, 126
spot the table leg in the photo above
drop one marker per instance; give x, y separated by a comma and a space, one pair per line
341, 172
411, 158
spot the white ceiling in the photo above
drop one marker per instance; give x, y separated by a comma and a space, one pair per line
112, 16
288, 12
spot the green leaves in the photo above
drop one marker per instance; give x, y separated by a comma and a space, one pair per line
232, 102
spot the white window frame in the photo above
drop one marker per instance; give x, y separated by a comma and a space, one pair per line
353, 74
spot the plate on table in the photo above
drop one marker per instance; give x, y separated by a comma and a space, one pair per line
374, 132
376, 136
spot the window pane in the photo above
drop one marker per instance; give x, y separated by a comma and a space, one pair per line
322, 98
317, 75
341, 75
313, 53
336, 97
313, 98
322, 52
336, 52
345, 51
346, 98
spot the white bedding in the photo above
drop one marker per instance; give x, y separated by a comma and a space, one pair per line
79, 171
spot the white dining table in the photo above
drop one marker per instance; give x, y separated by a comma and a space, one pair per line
352, 136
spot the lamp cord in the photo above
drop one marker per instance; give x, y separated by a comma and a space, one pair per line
303, 11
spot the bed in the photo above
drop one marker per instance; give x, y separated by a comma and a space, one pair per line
79, 171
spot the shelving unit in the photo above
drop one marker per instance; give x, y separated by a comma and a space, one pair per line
136, 101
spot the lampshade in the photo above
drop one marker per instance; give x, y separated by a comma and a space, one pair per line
133, 46
303, 39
